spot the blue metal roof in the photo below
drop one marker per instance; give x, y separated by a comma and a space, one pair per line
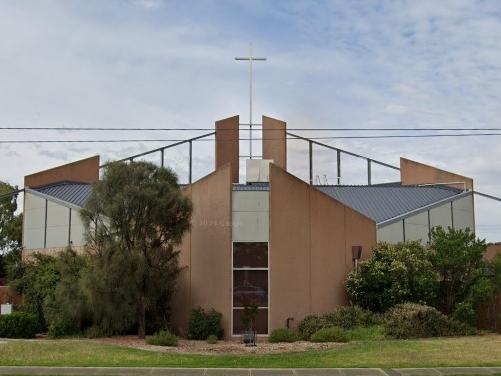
378, 202
73, 193
383, 202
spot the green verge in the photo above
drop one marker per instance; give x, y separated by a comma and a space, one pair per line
442, 352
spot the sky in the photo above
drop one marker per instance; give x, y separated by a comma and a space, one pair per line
344, 64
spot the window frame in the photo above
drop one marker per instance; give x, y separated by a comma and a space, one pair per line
232, 307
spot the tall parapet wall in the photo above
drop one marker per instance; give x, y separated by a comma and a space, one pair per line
205, 256
82, 171
227, 145
275, 141
415, 173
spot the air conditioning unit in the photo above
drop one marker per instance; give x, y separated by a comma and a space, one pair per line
258, 170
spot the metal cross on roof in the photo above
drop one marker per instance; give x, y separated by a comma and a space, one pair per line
250, 59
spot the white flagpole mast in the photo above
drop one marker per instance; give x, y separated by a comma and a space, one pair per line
250, 59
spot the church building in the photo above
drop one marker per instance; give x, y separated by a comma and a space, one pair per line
274, 239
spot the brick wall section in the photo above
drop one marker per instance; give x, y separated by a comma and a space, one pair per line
27, 254
9, 296
413, 173
82, 171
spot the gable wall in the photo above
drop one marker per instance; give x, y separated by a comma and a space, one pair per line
206, 251
311, 239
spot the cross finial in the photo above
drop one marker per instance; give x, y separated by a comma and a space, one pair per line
250, 59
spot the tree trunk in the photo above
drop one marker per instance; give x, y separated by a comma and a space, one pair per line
141, 318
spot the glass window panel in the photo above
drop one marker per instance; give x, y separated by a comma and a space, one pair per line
261, 325
250, 286
250, 255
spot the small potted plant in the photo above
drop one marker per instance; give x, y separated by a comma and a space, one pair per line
249, 320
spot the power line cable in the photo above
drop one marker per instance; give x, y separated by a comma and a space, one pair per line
255, 139
342, 129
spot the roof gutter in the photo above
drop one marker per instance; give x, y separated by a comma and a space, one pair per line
423, 208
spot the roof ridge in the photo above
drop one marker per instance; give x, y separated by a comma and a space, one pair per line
59, 183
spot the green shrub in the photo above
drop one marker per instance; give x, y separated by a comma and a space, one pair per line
18, 325
465, 312
332, 334
202, 324
36, 281
163, 338
346, 317
309, 325
368, 333
394, 274
96, 331
62, 327
283, 335
212, 339
411, 320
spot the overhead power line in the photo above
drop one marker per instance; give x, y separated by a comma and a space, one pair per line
255, 139
329, 129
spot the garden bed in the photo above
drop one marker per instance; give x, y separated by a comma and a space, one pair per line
221, 347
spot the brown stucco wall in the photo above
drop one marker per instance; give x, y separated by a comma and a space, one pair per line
227, 145
412, 173
274, 141
206, 251
84, 171
311, 236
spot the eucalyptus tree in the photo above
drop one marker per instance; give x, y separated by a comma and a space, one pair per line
135, 219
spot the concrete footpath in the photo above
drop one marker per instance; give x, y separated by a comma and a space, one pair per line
250, 371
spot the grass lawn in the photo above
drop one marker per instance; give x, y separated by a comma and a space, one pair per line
482, 350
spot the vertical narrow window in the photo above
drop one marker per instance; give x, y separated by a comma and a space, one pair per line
250, 284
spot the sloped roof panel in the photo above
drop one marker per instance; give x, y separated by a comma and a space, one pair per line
74, 193
382, 202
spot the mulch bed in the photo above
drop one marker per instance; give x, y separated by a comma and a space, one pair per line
220, 348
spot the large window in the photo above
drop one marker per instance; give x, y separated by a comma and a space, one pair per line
250, 283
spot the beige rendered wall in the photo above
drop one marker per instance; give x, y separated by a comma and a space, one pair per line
441, 216
416, 228
33, 221
85, 171
311, 236
275, 141
58, 224
393, 233
464, 215
77, 229
206, 251
413, 173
